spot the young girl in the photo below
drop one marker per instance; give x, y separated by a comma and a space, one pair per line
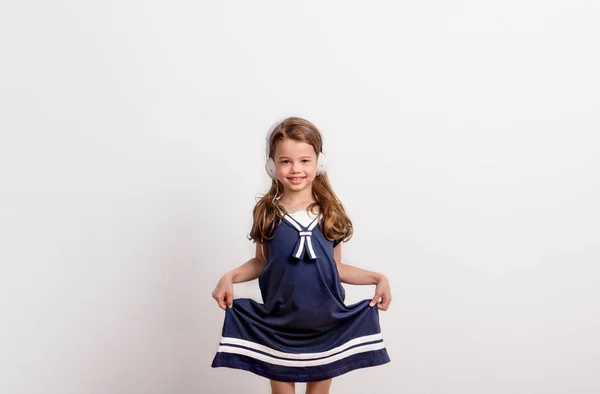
303, 332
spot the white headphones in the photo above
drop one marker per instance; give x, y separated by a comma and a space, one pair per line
270, 163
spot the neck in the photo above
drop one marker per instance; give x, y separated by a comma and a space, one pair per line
297, 198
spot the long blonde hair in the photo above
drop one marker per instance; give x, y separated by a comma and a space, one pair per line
268, 214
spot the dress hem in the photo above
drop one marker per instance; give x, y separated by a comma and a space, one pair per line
302, 378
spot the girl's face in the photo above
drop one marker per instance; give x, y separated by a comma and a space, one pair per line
296, 164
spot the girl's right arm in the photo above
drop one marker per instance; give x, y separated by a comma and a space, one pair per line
250, 270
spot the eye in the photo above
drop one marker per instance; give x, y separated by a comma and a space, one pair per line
306, 160
285, 161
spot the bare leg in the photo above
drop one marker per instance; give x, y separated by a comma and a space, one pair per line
320, 387
278, 387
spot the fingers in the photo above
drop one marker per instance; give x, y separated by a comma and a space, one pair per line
221, 300
223, 293
375, 299
385, 303
229, 299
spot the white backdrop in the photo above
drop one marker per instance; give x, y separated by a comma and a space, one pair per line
463, 140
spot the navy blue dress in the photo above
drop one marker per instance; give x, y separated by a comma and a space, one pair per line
303, 331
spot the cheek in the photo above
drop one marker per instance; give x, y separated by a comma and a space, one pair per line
281, 171
310, 174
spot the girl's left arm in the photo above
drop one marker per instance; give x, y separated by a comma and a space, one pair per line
358, 276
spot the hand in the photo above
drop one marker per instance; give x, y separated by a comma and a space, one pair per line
382, 290
223, 292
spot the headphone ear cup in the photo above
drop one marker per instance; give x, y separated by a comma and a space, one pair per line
270, 168
321, 164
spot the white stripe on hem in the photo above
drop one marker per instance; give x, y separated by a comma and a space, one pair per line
300, 356
301, 363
